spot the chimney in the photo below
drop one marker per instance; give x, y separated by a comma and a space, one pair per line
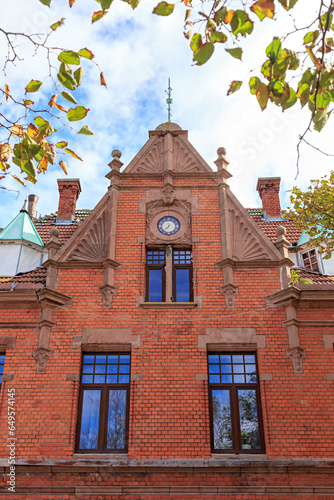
69, 190
32, 202
268, 188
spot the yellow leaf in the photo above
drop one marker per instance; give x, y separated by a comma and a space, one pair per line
63, 165
53, 100
61, 108
102, 80
7, 91
229, 16
32, 131
43, 164
263, 8
17, 130
5, 151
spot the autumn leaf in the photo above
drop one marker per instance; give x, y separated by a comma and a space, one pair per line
237, 52
72, 153
18, 179
32, 131
43, 165
98, 15
7, 91
61, 144
228, 17
163, 9
56, 25
234, 86
203, 54
85, 130
61, 108
71, 2
17, 130
88, 54
260, 90
263, 8
78, 113
68, 97
63, 165
33, 86
28, 102
5, 151
53, 100
102, 79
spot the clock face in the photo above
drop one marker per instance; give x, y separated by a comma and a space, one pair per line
168, 225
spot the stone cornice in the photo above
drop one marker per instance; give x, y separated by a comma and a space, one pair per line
121, 463
264, 263
16, 324
22, 298
52, 298
77, 264
175, 175
303, 296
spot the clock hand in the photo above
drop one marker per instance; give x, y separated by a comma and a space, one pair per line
167, 227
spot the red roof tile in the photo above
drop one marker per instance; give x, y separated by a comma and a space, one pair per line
316, 277
36, 276
268, 227
43, 225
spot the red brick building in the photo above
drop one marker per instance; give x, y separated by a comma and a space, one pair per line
159, 352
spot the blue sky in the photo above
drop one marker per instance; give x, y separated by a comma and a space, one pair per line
138, 52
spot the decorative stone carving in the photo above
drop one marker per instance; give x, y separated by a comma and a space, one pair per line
92, 246
230, 292
296, 355
184, 161
178, 210
41, 354
154, 159
245, 246
107, 292
168, 195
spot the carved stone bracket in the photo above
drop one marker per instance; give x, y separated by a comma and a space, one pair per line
41, 354
107, 292
230, 292
296, 355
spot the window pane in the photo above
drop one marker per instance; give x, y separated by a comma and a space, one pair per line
249, 358
111, 379
239, 379
155, 285
249, 426
112, 368
88, 369
226, 379
124, 358
214, 379
213, 368
116, 419
222, 427
251, 374
87, 379
90, 420
213, 358
89, 358
99, 379
182, 285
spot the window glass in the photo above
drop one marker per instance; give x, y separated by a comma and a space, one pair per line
234, 409
155, 285
103, 413
182, 285
2, 365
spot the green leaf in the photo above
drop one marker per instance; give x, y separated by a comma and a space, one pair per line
220, 15
67, 80
46, 2
68, 97
163, 9
78, 113
88, 54
241, 23
61, 144
105, 4
291, 101
98, 15
288, 4
56, 25
267, 69
29, 168
134, 3
263, 9
196, 42
69, 57
234, 87
218, 36
237, 52
33, 86
78, 75
321, 122
85, 130
260, 90
39, 121
203, 54
303, 93
274, 49
65, 68
311, 37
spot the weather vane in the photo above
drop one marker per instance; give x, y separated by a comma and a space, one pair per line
169, 101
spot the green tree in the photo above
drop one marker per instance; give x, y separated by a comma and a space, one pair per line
302, 73
313, 211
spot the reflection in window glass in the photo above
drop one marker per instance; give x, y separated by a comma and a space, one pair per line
90, 419
249, 425
116, 420
222, 425
182, 285
2, 364
155, 285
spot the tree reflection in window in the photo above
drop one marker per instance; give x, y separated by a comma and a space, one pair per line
104, 403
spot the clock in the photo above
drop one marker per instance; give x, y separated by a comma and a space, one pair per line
168, 225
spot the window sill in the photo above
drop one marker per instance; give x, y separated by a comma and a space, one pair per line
168, 305
100, 456
240, 457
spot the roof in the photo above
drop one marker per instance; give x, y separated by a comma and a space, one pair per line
268, 226
44, 224
36, 276
21, 228
316, 277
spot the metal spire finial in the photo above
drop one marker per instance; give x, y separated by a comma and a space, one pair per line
169, 101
